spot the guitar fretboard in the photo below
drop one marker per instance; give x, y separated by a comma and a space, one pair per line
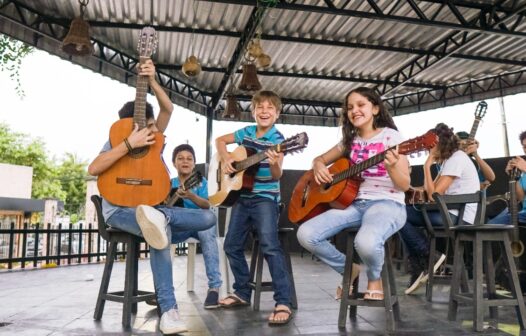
252, 160
474, 128
356, 169
139, 113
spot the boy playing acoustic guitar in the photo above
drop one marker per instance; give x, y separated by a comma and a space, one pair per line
258, 208
155, 224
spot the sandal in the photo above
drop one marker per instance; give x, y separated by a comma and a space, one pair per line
276, 311
373, 295
354, 274
236, 302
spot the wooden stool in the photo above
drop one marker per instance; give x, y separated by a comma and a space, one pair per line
355, 299
256, 268
130, 296
435, 233
482, 237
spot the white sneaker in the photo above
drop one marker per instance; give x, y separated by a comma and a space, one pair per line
153, 226
439, 260
171, 323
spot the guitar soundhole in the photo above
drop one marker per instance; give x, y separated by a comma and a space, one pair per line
138, 153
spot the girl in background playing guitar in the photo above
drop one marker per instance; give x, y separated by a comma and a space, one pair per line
258, 208
457, 176
379, 208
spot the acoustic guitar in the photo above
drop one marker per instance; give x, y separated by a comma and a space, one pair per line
141, 176
193, 180
224, 189
310, 199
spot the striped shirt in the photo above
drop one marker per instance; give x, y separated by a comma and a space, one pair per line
264, 185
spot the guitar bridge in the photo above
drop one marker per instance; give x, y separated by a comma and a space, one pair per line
133, 181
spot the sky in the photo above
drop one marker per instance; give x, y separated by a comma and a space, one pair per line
71, 109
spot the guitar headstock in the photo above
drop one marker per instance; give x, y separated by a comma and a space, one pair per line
423, 142
193, 180
480, 111
293, 144
147, 42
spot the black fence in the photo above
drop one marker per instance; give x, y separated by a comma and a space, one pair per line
53, 245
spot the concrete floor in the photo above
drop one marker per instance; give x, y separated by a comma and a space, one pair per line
61, 301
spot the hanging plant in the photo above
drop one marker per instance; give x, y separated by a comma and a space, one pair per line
11, 54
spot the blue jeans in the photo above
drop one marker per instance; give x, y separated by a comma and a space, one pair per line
505, 217
378, 220
413, 237
261, 214
208, 241
179, 219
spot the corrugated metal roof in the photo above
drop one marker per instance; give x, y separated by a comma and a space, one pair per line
318, 52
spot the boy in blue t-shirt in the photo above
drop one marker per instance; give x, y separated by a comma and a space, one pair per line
183, 159
258, 208
519, 163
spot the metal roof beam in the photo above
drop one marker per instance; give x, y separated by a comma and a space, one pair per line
477, 22
475, 90
454, 42
345, 78
295, 39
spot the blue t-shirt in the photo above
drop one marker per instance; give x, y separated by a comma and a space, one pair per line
200, 190
264, 185
522, 183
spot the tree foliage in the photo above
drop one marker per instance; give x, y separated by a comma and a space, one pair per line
11, 54
65, 180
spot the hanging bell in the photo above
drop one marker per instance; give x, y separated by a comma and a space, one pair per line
77, 41
254, 48
249, 80
263, 60
231, 108
191, 67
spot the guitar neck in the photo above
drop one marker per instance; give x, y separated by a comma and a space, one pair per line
474, 128
513, 203
356, 169
251, 160
139, 113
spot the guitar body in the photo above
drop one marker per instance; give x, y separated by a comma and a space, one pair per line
224, 189
137, 178
310, 199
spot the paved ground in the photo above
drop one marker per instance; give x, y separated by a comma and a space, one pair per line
61, 301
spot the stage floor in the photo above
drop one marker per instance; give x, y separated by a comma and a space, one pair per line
61, 301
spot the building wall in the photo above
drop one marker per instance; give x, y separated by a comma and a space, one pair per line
16, 181
91, 189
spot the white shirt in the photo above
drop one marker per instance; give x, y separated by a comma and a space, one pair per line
466, 181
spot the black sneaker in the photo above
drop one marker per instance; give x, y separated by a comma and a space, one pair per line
212, 299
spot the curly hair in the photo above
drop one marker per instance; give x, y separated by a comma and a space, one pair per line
522, 136
447, 141
382, 119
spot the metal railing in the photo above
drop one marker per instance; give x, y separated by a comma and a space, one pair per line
36, 245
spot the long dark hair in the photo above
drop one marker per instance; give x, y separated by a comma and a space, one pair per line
447, 142
382, 119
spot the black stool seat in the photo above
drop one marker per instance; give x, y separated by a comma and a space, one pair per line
485, 227
130, 296
256, 282
353, 300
